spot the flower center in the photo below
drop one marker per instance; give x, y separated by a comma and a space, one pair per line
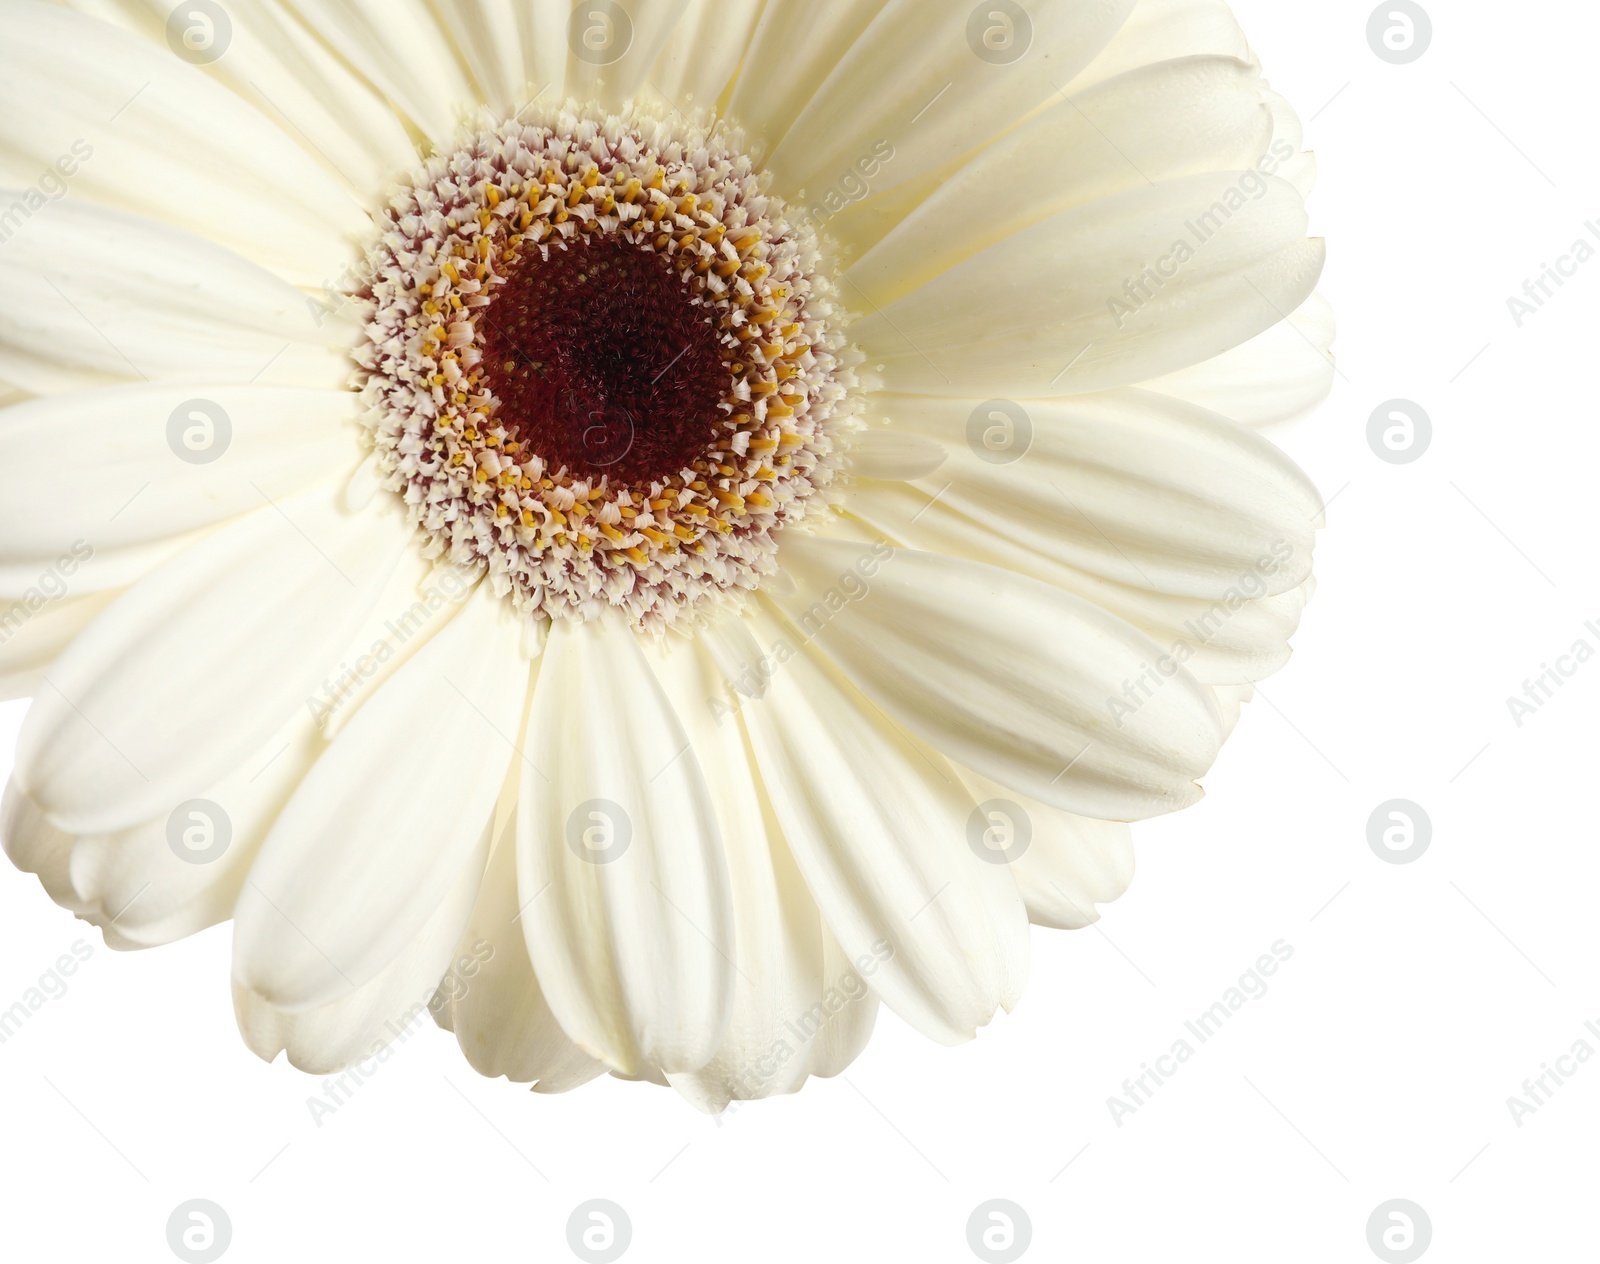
603, 365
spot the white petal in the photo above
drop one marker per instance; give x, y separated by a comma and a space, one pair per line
84, 569
573, 1073
157, 883
1130, 487
1018, 681
1104, 295
841, 1038
796, 46
1159, 123
403, 50
704, 53
777, 942
738, 656
98, 295
1238, 635
941, 102
359, 1026
1066, 864
299, 83
419, 601
894, 454
1163, 30
387, 819
117, 120
140, 445
199, 663
1231, 699
36, 846
34, 632
1300, 169
605, 75
1276, 376
515, 50
633, 947
877, 825
492, 1000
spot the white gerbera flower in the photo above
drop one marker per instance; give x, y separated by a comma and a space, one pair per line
649, 527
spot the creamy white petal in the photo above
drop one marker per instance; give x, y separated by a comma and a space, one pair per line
1276, 376
877, 825
795, 47
1162, 30
368, 1022
698, 65
298, 82
200, 662
117, 120
1234, 638
777, 930
419, 601
98, 295
619, 53
1130, 487
845, 1033
1232, 698
1159, 123
388, 818
88, 569
1065, 864
739, 657
1300, 168
141, 444
1016, 680
1240, 634
36, 846
159, 882
619, 859
1124, 289
573, 1073
34, 631
515, 52
403, 50
495, 1006
894, 454
942, 102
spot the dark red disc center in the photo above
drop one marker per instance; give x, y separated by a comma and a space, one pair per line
603, 363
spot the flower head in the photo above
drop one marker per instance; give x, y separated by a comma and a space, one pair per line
645, 529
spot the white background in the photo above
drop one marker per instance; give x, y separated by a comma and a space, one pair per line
1379, 1064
